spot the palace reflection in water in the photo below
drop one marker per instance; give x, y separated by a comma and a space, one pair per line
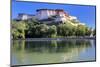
41, 52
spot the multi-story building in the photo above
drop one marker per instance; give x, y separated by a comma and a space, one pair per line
47, 13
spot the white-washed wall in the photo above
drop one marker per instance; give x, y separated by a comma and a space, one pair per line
42, 14
45, 14
24, 17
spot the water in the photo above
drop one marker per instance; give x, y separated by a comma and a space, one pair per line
41, 52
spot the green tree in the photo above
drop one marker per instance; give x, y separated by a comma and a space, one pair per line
41, 30
52, 31
65, 29
88, 31
18, 29
31, 27
81, 30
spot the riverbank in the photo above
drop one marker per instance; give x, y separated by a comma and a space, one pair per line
58, 38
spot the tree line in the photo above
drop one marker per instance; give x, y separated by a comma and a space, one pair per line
34, 29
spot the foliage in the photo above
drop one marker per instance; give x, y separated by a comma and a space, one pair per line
18, 29
66, 29
33, 29
41, 30
52, 31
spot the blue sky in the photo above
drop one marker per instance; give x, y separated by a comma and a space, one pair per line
86, 14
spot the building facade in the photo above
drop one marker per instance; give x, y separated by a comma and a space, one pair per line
23, 16
47, 13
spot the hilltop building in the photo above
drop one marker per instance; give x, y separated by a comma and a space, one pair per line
49, 15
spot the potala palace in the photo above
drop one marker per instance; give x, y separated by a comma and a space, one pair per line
57, 15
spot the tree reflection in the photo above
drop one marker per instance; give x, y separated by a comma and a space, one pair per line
51, 46
54, 51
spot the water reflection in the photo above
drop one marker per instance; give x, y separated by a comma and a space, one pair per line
39, 52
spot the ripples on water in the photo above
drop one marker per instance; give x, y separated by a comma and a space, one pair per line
41, 52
